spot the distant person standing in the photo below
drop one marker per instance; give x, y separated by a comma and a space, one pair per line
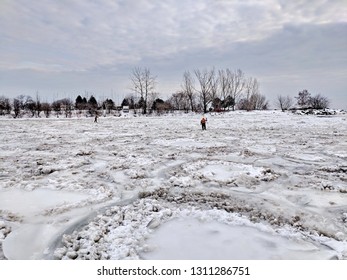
203, 122
96, 118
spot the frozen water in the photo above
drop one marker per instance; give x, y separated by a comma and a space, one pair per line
30, 240
189, 239
30, 203
284, 173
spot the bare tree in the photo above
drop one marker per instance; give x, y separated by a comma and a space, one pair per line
143, 83
251, 89
255, 102
68, 106
23, 101
253, 99
188, 89
179, 101
47, 109
57, 106
30, 105
205, 79
230, 87
16, 107
224, 87
152, 97
38, 105
236, 82
319, 102
5, 106
214, 93
65, 105
259, 102
284, 102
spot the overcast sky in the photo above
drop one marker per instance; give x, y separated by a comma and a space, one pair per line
69, 47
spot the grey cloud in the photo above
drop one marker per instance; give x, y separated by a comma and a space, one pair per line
84, 34
318, 11
294, 58
84, 38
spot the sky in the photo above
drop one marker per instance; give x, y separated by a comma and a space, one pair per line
58, 49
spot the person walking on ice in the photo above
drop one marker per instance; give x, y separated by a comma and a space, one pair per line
203, 122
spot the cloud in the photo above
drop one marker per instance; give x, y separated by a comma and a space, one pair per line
79, 35
71, 42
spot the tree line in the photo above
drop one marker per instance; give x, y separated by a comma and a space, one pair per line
304, 100
200, 91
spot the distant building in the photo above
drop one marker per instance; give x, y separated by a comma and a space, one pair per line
125, 109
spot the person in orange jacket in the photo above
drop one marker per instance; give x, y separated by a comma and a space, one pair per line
203, 122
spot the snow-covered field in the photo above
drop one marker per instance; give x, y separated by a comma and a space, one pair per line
254, 185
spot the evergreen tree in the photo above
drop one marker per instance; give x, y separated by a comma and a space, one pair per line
93, 104
125, 102
156, 103
79, 102
303, 98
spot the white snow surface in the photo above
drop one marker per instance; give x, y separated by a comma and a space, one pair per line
254, 185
